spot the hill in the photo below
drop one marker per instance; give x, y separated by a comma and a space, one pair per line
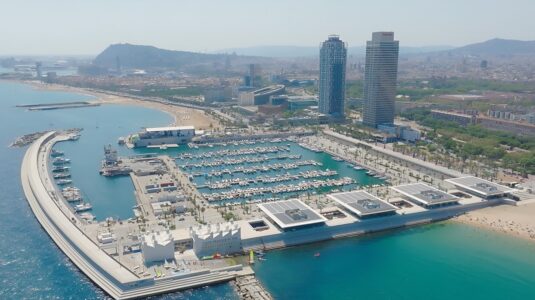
498, 47
147, 57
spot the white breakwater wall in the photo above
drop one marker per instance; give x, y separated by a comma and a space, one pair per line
114, 278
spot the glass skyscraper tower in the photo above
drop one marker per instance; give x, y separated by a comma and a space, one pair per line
332, 84
380, 76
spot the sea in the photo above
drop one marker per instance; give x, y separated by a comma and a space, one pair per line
438, 261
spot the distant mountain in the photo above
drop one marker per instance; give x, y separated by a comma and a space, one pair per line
146, 57
305, 51
498, 47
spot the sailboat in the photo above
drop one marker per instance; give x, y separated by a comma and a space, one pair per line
251, 257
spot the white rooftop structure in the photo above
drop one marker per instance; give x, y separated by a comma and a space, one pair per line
222, 238
157, 246
291, 213
480, 187
171, 128
362, 203
106, 237
158, 208
425, 194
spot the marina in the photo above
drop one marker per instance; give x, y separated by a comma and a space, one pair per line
251, 172
62, 176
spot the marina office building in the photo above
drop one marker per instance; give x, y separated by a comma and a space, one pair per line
480, 187
163, 136
363, 204
425, 195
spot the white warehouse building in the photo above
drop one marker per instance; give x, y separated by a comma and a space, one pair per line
223, 238
163, 136
157, 246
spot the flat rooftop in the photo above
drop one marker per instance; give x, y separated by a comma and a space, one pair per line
362, 203
173, 128
480, 186
291, 213
424, 194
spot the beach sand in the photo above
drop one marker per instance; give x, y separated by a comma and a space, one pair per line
181, 115
514, 220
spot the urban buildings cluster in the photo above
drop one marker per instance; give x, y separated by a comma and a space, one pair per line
380, 78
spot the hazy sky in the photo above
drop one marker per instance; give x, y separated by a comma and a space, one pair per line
88, 26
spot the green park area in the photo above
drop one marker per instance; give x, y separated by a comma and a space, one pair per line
474, 142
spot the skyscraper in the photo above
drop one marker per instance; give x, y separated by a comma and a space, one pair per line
332, 84
380, 76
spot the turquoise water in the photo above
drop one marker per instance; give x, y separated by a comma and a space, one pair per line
440, 261
31, 266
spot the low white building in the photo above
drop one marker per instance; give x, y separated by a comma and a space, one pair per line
106, 237
159, 208
163, 136
223, 238
157, 246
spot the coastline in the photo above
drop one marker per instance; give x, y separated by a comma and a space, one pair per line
181, 115
511, 220
516, 221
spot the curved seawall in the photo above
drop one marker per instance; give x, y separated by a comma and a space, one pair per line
60, 224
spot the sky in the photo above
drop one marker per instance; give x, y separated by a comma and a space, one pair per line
45, 27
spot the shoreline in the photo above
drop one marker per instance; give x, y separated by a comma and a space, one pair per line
513, 221
181, 115
510, 220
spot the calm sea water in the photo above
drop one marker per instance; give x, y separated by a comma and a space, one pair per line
441, 261
438, 261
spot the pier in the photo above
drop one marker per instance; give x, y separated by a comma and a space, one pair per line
59, 105
237, 161
66, 229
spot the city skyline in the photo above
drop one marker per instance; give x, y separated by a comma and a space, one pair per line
65, 30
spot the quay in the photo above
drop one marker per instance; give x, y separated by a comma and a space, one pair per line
65, 229
238, 152
237, 161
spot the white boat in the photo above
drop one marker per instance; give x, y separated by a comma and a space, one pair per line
74, 137
82, 207
87, 216
56, 153
63, 181
62, 175
60, 161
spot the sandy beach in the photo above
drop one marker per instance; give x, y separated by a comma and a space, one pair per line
181, 115
514, 220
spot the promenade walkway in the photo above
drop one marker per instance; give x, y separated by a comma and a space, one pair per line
439, 169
